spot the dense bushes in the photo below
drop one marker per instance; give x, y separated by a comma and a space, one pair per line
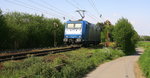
64, 65
144, 60
21, 30
125, 36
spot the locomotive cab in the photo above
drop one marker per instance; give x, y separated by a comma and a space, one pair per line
73, 32
81, 32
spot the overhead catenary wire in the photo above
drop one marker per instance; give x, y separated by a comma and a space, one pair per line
38, 4
90, 14
28, 6
34, 6
78, 8
20, 3
92, 3
49, 5
57, 11
73, 4
98, 11
93, 6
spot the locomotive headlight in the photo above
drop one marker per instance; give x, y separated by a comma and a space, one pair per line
65, 39
78, 40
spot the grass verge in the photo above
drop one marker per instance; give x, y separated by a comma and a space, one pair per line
72, 64
144, 60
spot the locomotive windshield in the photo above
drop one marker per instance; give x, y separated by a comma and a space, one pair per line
70, 26
78, 26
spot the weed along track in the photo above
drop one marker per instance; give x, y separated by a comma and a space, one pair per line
22, 55
71, 64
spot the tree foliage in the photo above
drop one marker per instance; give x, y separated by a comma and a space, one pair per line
125, 36
106, 31
3, 31
21, 30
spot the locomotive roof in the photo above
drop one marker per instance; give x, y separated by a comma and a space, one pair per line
82, 21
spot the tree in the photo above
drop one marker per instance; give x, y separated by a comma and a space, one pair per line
3, 31
125, 36
101, 26
106, 32
22, 30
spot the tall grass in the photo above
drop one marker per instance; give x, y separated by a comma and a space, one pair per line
144, 60
74, 64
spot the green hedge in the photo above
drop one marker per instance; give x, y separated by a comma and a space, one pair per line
22, 30
74, 64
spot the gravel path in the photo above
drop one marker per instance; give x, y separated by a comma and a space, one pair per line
120, 68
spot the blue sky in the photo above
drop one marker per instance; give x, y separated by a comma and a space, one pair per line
136, 11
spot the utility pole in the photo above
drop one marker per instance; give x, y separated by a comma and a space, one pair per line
64, 20
55, 28
81, 12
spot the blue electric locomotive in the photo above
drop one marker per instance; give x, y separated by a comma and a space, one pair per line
81, 32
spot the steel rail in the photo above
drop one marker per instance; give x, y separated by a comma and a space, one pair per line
24, 55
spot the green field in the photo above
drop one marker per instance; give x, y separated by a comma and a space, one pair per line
144, 60
144, 44
73, 64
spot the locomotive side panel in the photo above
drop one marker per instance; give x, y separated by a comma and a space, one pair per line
93, 33
97, 33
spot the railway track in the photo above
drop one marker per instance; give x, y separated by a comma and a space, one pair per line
23, 55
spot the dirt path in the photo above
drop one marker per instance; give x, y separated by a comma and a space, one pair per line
123, 67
